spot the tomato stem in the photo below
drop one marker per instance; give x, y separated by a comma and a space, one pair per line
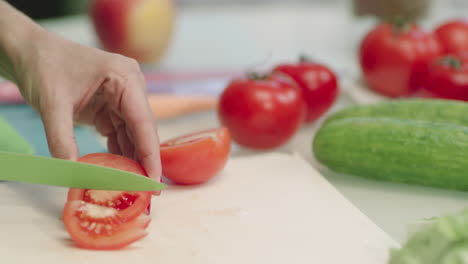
256, 76
399, 23
452, 62
304, 58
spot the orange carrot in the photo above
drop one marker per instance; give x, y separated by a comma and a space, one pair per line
165, 106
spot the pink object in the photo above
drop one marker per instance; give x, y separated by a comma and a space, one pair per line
183, 83
9, 93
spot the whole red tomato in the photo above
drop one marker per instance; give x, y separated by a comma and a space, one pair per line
391, 57
447, 77
453, 36
318, 83
262, 113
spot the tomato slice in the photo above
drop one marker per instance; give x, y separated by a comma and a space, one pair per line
130, 204
103, 228
195, 158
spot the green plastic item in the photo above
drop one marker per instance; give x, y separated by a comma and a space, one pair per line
57, 172
11, 140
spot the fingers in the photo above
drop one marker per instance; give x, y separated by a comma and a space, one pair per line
102, 121
113, 144
110, 125
141, 125
126, 147
134, 124
58, 125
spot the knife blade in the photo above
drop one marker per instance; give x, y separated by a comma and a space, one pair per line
64, 173
11, 140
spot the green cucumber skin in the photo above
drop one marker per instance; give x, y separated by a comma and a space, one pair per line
434, 110
396, 150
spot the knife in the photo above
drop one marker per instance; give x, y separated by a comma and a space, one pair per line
34, 169
11, 140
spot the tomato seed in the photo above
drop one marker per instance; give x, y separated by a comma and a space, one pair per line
98, 228
92, 226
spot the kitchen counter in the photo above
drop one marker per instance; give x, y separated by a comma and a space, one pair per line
241, 37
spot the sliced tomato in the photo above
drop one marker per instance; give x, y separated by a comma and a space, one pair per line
195, 158
103, 228
131, 204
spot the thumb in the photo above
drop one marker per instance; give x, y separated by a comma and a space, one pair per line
58, 125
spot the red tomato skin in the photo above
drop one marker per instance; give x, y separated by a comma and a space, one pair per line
117, 162
197, 161
444, 81
127, 232
318, 83
391, 60
453, 36
262, 114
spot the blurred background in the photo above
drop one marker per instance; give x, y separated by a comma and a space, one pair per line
56, 8
242, 33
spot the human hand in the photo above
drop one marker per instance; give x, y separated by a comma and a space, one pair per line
67, 82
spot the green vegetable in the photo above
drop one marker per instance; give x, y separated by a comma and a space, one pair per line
442, 241
391, 142
441, 111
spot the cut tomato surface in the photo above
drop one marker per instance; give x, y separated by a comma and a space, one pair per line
103, 228
197, 157
130, 203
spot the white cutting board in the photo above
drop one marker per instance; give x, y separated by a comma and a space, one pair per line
267, 208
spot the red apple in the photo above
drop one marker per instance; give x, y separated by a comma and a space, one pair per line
140, 29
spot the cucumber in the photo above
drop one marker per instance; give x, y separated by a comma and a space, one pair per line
434, 110
391, 142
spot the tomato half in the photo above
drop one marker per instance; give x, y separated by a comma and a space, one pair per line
318, 83
131, 204
453, 36
262, 112
195, 158
391, 58
97, 227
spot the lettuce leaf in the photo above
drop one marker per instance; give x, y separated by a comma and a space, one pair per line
442, 240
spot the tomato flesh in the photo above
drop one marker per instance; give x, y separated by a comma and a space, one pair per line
96, 227
131, 204
114, 199
195, 158
105, 219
